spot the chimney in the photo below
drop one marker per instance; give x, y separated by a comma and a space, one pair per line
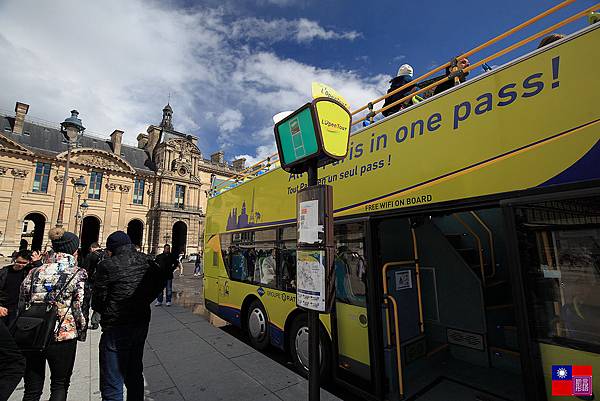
142, 140
20, 111
153, 138
239, 164
218, 157
115, 138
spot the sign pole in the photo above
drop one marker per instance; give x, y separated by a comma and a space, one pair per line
313, 322
313, 136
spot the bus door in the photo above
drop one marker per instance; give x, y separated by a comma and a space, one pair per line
402, 321
557, 244
351, 321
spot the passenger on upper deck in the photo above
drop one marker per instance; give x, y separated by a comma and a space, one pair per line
461, 64
553, 37
404, 76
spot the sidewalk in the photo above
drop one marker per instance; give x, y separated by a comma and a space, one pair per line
186, 358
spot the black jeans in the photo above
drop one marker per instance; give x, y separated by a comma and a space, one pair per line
12, 363
61, 358
121, 353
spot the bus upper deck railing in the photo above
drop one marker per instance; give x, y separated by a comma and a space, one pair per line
272, 161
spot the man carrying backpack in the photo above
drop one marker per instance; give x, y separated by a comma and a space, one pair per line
126, 282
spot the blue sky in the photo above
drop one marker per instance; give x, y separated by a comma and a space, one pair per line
230, 65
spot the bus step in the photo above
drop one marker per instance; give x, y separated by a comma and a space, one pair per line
455, 239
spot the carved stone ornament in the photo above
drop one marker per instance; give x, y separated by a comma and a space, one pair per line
8, 145
124, 188
19, 172
59, 178
110, 187
3, 170
98, 159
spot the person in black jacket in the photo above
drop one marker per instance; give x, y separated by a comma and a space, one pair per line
126, 282
404, 76
450, 83
90, 264
168, 261
11, 278
12, 361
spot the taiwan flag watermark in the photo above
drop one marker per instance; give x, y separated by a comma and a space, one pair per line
571, 380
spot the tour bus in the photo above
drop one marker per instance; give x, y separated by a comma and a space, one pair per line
467, 240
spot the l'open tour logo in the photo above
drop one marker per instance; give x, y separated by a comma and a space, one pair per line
571, 380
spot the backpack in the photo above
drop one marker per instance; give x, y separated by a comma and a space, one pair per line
36, 323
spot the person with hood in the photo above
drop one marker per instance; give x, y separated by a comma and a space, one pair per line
404, 76
61, 281
126, 282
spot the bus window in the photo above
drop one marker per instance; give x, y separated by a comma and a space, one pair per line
225, 240
560, 250
350, 263
264, 257
287, 247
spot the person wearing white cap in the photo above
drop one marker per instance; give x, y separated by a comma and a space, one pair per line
404, 76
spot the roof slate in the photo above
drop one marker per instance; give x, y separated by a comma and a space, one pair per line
50, 142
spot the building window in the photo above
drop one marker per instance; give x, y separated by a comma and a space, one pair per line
179, 196
95, 185
138, 191
42, 174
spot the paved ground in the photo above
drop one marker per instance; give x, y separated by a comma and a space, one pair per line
187, 358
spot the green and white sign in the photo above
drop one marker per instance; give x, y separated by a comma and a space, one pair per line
317, 131
297, 136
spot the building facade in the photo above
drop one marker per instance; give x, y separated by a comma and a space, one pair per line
156, 192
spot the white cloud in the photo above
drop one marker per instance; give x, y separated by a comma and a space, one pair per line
300, 30
117, 61
262, 152
230, 120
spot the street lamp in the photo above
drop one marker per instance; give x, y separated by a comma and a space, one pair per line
71, 129
84, 207
80, 186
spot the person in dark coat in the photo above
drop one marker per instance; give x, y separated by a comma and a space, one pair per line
404, 76
11, 278
12, 361
126, 282
462, 64
167, 260
90, 264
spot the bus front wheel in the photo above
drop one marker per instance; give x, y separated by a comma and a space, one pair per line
298, 345
257, 325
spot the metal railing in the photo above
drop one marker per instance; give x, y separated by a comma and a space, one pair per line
178, 207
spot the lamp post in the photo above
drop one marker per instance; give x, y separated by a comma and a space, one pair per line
71, 129
84, 207
80, 186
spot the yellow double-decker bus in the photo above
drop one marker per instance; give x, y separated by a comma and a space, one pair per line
467, 232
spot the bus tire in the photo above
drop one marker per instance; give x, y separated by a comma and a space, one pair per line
298, 346
257, 325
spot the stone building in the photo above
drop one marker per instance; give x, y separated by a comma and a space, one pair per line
155, 191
